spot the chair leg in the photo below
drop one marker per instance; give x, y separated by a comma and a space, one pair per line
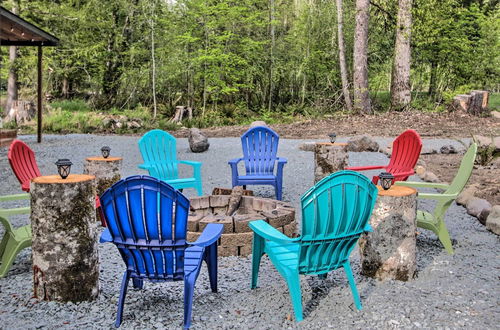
199, 189
138, 283
323, 276
277, 189
293, 282
188, 299
444, 237
352, 284
211, 260
11, 250
121, 300
244, 187
257, 253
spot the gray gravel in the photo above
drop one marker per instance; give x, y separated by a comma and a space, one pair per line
448, 292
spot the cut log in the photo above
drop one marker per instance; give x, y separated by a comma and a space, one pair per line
64, 249
329, 158
234, 200
105, 170
460, 103
476, 103
181, 112
228, 191
7, 136
21, 111
389, 252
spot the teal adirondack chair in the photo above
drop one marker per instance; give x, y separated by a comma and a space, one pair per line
14, 239
435, 221
159, 152
335, 212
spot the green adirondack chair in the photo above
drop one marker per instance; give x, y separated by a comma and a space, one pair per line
14, 239
335, 212
435, 221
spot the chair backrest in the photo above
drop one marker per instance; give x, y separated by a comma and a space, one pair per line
260, 146
335, 212
159, 150
23, 163
147, 219
405, 152
464, 172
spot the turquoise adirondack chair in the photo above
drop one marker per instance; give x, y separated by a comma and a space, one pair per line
435, 221
14, 239
159, 152
335, 212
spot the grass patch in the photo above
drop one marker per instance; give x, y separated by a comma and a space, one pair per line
494, 101
75, 105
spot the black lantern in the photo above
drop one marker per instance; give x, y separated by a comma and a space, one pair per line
64, 167
386, 179
105, 151
333, 137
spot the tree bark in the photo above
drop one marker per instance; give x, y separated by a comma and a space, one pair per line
329, 158
433, 80
360, 80
342, 61
400, 82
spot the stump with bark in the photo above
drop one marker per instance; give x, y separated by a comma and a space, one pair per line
64, 248
181, 112
329, 158
105, 170
389, 252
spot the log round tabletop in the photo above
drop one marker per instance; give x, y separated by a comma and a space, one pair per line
102, 159
396, 191
72, 178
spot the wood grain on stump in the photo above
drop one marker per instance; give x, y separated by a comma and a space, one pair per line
65, 254
329, 158
106, 171
389, 252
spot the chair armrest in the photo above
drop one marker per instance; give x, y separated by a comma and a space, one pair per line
145, 166
14, 197
190, 163
210, 235
365, 168
422, 184
19, 210
268, 232
235, 161
282, 160
438, 197
106, 236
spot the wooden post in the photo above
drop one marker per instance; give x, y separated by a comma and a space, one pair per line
329, 158
105, 170
64, 249
389, 252
39, 95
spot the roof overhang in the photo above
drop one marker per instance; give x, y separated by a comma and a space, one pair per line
15, 31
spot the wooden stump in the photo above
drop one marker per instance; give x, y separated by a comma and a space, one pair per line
105, 170
460, 103
7, 136
329, 158
389, 252
65, 254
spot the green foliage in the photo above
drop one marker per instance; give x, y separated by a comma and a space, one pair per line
74, 105
494, 102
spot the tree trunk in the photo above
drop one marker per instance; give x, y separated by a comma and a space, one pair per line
342, 61
153, 63
400, 82
433, 80
360, 80
12, 79
271, 55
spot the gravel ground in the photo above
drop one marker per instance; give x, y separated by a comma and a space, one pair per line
448, 292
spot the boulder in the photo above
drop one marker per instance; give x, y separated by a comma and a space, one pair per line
478, 208
307, 146
198, 142
448, 149
493, 220
466, 194
258, 123
420, 170
363, 143
430, 177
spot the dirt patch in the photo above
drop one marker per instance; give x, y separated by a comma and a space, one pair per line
488, 177
440, 125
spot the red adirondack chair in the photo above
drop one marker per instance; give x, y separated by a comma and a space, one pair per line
23, 163
405, 152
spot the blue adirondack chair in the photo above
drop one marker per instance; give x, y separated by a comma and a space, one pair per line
335, 212
260, 145
159, 152
147, 221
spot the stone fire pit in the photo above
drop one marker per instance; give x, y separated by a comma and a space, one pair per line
235, 211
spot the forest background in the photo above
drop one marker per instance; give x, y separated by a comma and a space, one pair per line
241, 60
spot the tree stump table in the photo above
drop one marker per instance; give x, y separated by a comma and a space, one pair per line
65, 254
389, 252
329, 158
105, 170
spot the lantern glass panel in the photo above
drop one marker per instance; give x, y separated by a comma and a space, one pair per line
105, 151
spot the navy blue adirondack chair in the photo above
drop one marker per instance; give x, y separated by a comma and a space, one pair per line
147, 221
260, 145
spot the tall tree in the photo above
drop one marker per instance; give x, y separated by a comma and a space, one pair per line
400, 82
342, 62
360, 80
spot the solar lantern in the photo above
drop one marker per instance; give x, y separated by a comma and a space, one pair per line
64, 167
105, 151
386, 179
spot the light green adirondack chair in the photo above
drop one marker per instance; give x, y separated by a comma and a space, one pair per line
14, 239
435, 221
335, 212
